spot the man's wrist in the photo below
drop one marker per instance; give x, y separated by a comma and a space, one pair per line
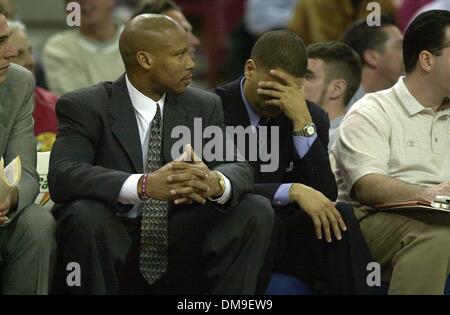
307, 131
294, 192
302, 119
426, 193
142, 188
220, 186
225, 196
299, 125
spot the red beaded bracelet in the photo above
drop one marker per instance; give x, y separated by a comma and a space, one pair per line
144, 195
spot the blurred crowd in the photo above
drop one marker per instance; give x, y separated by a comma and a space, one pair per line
362, 108
88, 54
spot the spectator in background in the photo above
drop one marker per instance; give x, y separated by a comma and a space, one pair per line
261, 16
172, 10
332, 78
27, 244
325, 20
380, 49
9, 7
78, 58
393, 147
45, 121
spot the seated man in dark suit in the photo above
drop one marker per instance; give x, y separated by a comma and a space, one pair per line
189, 228
302, 186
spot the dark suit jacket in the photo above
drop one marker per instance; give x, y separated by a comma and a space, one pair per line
312, 170
98, 146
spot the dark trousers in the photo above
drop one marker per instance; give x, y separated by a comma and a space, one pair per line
338, 267
210, 251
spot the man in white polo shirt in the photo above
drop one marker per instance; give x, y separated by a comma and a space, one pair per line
84, 56
394, 145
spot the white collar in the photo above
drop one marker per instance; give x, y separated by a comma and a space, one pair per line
406, 99
144, 105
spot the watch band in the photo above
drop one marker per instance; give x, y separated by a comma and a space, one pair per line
221, 183
307, 131
298, 133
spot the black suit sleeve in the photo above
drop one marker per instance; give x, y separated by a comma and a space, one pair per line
314, 168
268, 190
238, 172
72, 174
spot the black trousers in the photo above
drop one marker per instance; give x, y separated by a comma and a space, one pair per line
210, 252
338, 267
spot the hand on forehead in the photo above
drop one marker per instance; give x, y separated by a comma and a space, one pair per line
284, 78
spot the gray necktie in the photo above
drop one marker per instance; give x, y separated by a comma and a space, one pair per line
153, 256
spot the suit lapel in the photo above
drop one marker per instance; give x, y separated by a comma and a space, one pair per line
124, 125
174, 114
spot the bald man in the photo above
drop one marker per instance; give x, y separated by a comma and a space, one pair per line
133, 217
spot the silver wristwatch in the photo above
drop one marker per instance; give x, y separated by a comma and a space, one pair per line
308, 131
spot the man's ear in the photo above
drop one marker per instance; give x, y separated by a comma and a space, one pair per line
371, 57
426, 60
337, 88
249, 68
144, 59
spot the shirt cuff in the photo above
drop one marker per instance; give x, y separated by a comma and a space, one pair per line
303, 144
226, 194
128, 194
281, 197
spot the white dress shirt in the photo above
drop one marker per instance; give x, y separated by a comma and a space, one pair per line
145, 110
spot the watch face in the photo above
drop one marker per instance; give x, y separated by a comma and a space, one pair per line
310, 130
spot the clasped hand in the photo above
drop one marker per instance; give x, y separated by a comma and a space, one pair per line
8, 205
184, 180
